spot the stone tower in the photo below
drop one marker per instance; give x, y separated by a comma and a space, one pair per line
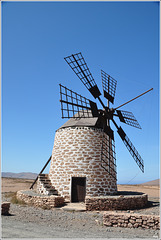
75, 169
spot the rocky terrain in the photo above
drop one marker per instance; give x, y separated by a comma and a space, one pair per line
27, 221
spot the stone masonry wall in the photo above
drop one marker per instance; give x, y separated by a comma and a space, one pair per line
77, 153
40, 201
112, 219
116, 202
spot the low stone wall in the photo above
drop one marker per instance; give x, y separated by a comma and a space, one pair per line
112, 219
5, 206
116, 202
40, 201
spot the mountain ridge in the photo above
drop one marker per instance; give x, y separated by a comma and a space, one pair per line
24, 175
152, 183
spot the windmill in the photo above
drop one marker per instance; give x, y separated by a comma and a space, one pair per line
83, 161
74, 105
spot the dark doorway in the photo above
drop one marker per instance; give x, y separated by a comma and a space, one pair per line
78, 189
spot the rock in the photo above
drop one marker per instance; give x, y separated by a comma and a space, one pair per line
129, 225
5, 206
136, 225
150, 221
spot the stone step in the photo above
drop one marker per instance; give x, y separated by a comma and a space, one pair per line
49, 187
45, 180
77, 207
43, 177
50, 194
54, 192
47, 184
51, 190
43, 174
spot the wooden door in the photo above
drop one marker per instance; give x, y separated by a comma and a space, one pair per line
78, 189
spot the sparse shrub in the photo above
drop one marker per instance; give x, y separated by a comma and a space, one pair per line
14, 199
10, 194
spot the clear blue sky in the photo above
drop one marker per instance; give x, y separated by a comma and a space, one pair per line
122, 38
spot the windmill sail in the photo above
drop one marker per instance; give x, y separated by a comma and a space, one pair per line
73, 105
131, 148
128, 118
79, 66
109, 86
108, 155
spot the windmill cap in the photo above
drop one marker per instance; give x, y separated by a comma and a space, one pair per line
87, 121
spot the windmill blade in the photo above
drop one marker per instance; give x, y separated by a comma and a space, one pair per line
131, 148
79, 66
109, 132
108, 155
128, 118
74, 105
109, 86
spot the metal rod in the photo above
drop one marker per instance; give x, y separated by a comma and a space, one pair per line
133, 99
41, 172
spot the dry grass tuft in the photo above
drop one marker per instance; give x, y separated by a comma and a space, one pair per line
14, 199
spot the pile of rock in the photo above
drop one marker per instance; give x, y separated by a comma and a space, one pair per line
108, 203
40, 200
128, 220
5, 206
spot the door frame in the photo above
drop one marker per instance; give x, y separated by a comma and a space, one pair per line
85, 179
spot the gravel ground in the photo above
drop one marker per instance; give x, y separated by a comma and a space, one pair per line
31, 222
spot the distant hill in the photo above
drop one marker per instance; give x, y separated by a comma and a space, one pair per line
25, 175
152, 183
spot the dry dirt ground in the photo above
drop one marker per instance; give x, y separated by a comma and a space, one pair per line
15, 184
30, 222
152, 191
